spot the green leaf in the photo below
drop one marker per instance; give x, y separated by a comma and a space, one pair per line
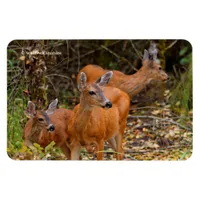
183, 51
18, 144
12, 51
10, 64
186, 60
183, 155
37, 146
49, 147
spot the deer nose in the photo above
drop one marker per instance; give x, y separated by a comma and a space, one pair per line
108, 104
51, 128
167, 78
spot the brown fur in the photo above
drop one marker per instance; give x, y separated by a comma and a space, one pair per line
131, 84
36, 132
91, 125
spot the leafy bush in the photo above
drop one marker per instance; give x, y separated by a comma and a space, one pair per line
182, 94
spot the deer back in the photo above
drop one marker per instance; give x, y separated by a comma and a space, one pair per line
131, 84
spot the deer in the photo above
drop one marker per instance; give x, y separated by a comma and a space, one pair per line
43, 127
131, 84
100, 116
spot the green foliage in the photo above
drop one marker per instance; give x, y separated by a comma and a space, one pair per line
36, 152
181, 98
15, 121
187, 59
183, 155
12, 59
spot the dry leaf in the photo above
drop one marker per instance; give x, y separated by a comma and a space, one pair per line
22, 58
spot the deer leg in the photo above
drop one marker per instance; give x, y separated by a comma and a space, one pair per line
112, 143
65, 150
119, 139
100, 148
75, 152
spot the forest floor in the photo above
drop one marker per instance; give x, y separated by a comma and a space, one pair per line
152, 133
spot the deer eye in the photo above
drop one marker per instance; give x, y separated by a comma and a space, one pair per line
92, 93
40, 119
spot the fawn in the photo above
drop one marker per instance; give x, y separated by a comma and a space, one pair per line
131, 84
44, 127
100, 116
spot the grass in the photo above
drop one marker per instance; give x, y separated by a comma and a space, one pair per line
182, 94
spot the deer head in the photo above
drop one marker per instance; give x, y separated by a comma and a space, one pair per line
92, 93
150, 64
41, 118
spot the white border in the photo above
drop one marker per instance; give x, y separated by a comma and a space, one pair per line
99, 180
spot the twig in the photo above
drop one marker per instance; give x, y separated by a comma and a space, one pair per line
66, 77
162, 119
140, 126
10, 98
51, 84
137, 52
172, 44
151, 107
157, 149
113, 53
86, 54
67, 54
78, 54
119, 57
142, 151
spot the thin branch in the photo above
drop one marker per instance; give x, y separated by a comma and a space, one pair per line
50, 81
118, 57
171, 45
137, 52
63, 76
149, 107
162, 119
113, 53
67, 54
15, 89
157, 149
78, 52
142, 151
86, 54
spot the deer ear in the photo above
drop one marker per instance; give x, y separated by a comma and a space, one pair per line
146, 55
153, 51
104, 80
30, 111
82, 81
52, 107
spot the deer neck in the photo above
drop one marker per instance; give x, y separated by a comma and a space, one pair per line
133, 84
84, 114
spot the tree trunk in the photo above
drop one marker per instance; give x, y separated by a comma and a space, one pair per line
35, 66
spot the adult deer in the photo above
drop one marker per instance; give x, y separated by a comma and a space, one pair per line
44, 127
100, 116
131, 84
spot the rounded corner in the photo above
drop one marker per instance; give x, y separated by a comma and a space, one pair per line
10, 42
190, 157
187, 41
9, 157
